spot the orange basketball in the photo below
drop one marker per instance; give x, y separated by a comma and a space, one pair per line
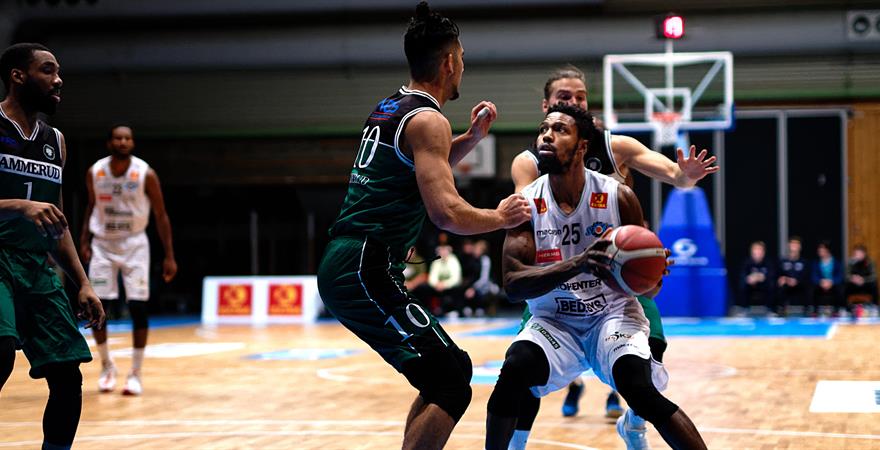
638, 260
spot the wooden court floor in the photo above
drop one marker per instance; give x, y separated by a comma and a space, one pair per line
746, 393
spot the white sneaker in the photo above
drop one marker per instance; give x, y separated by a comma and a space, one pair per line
634, 437
132, 385
107, 380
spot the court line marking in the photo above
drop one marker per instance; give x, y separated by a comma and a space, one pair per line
101, 438
538, 424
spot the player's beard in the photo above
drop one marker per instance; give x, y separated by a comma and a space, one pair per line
552, 164
34, 97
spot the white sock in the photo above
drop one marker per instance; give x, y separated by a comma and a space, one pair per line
104, 351
137, 360
518, 441
634, 420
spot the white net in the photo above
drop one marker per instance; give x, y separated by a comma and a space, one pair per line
666, 125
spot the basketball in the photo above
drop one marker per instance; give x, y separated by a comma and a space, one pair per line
638, 260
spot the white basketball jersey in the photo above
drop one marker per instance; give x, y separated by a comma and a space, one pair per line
580, 301
122, 207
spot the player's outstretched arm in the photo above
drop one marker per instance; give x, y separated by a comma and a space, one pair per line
683, 173
163, 224
428, 137
480, 124
524, 280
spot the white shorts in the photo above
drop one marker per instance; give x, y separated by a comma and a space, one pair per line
571, 353
128, 255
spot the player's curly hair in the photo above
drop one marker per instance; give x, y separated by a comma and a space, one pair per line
428, 37
582, 119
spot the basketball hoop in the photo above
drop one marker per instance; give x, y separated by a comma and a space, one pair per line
666, 125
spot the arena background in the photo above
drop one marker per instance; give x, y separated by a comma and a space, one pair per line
251, 112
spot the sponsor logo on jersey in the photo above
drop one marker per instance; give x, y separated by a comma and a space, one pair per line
101, 173
599, 200
30, 168
234, 300
10, 142
549, 255
134, 175
131, 185
385, 109
541, 205
616, 336
548, 232
594, 164
105, 198
580, 285
49, 151
285, 299
597, 229
553, 342
566, 306
358, 179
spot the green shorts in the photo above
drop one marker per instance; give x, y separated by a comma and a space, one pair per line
34, 309
362, 286
648, 305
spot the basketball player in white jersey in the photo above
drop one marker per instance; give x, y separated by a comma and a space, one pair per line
122, 191
556, 262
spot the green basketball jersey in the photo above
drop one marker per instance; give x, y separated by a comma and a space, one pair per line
30, 168
383, 199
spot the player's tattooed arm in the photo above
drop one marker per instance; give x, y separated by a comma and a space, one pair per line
428, 138
522, 279
683, 173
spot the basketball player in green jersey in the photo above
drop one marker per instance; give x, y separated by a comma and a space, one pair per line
35, 314
612, 155
402, 172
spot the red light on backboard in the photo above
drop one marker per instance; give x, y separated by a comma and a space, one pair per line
673, 27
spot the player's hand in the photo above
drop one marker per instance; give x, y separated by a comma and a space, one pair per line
514, 210
695, 167
169, 269
90, 308
47, 217
85, 252
480, 124
597, 260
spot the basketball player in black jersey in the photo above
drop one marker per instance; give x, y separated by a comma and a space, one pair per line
35, 314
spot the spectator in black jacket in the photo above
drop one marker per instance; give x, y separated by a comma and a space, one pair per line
861, 276
794, 278
756, 279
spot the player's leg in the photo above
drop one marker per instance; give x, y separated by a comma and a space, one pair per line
61, 417
54, 346
541, 360
529, 406
369, 299
623, 360
8, 333
103, 276
525, 365
135, 268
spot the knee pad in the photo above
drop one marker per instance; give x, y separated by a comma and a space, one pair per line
7, 358
442, 378
525, 365
632, 376
64, 379
138, 310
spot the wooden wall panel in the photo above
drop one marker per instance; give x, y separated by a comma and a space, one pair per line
863, 161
